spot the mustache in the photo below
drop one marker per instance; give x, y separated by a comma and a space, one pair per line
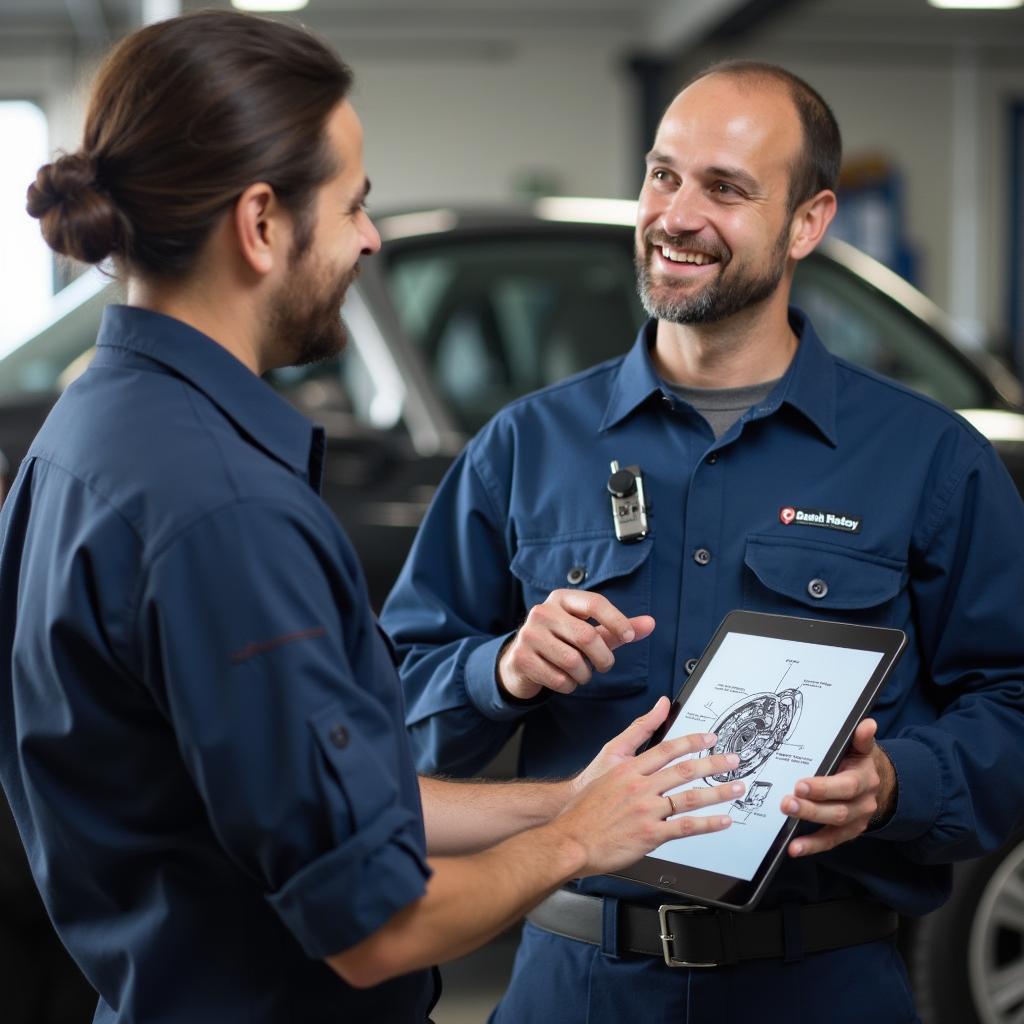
690, 241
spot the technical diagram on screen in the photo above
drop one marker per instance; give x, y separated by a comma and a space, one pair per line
754, 729
784, 695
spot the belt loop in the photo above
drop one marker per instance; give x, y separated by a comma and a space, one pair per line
792, 933
610, 927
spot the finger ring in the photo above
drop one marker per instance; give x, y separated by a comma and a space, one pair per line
673, 812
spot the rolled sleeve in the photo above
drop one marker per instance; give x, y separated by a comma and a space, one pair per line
346, 895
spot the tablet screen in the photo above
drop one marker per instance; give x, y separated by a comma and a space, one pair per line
779, 704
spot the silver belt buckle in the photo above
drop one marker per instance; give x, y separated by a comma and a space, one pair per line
667, 938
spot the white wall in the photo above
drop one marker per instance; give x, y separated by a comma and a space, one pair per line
445, 120
472, 126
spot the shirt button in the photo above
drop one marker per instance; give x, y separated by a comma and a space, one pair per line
690, 665
667, 402
712, 458
702, 556
339, 736
576, 575
817, 588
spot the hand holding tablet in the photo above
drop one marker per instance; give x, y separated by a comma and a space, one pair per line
861, 792
785, 696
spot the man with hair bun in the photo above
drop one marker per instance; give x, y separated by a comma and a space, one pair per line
201, 725
779, 479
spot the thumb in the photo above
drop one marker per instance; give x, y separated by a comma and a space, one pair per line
642, 625
637, 733
864, 737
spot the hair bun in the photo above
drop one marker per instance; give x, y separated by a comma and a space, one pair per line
77, 218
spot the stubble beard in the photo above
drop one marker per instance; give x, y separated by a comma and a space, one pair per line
720, 298
305, 317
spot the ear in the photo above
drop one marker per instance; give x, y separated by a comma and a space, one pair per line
262, 228
810, 222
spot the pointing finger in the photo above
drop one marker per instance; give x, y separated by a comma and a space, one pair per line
656, 758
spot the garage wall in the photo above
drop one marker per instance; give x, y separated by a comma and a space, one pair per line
459, 119
479, 120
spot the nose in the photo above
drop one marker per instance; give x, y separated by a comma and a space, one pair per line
684, 212
371, 239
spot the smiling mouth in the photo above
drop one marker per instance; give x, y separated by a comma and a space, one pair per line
691, 256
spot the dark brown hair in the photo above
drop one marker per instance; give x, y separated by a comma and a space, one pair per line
184, 116
817, 166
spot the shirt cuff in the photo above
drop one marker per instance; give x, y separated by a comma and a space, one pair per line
347, 894
917, 791
481, 681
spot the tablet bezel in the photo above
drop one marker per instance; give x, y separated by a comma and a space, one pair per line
708, 887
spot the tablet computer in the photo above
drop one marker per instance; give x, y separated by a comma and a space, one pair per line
785, 694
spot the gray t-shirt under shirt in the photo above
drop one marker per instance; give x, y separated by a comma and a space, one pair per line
722, 407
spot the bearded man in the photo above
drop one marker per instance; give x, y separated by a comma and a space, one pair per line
520, 608
201, 725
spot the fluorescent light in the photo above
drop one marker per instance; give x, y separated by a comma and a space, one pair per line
976, 5
591, 211
427, 222
267, 6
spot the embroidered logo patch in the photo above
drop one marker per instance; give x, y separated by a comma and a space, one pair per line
790, 515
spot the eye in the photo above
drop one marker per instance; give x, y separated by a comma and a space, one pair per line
723, 188
661, 176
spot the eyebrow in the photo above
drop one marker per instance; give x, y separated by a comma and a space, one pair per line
736, 174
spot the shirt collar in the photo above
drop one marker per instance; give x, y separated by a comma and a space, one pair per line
809, 385
259, 413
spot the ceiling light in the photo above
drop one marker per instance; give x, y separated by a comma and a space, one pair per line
976, 5
268, 6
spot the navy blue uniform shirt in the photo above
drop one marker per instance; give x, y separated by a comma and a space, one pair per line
201, 729
939, 553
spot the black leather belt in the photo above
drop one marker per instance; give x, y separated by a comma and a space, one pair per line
694, 936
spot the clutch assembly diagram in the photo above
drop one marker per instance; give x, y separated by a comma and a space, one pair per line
756, 728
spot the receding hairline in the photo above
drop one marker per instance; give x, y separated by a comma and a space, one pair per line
815, 119
747, 79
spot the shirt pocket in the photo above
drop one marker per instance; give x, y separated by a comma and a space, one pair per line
822, 581
601, 564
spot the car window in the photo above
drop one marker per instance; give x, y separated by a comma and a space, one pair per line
499, 317
860, 324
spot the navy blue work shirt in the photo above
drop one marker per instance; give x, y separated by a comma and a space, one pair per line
939, 553
201, 729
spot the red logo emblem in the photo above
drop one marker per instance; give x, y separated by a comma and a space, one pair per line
787, 515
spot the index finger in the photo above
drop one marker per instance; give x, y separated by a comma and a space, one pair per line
653, 760
587, 605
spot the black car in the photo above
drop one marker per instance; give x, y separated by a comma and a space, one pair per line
464, 310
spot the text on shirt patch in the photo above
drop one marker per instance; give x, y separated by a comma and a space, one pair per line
790, 515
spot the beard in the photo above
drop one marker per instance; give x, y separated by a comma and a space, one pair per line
718, 299
305, 315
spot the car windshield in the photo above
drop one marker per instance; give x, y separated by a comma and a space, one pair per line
862, 325
496, 318
500, 314
500, 317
